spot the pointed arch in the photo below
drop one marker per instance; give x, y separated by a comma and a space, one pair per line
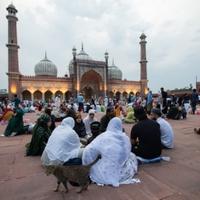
48, 95
26, 95
37, 95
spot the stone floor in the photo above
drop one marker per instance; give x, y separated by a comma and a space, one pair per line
23, 177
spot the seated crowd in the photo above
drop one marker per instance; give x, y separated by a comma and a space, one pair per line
78, 141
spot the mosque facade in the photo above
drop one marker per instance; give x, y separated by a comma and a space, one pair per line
86, 75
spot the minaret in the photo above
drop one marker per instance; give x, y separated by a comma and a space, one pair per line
143, 63
106, 74
13, 66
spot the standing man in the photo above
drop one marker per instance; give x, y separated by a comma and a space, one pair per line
149, 101
164, 100
57, 102
194, 100
16, 101
80, 100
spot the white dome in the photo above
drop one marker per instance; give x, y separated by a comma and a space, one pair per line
45, 68
82, 55
114, 72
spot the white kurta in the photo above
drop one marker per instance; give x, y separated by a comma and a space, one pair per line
117, 164
57, 102
87, 121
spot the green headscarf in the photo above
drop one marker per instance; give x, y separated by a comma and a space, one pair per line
43, 120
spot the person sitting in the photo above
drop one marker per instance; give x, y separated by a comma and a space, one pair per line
117, 110
41, 134
7, 114
177, 113
79, 126
15, 125
88, 120
106, 119
53, 119
95, 129
145, 136
63, 146
167, 134
130, 118
70, 112
117, 164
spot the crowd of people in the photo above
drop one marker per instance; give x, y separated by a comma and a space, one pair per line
78, 141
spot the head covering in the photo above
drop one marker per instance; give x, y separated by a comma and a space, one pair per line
43, 119
63, 144
95, 126
91, 111
115, 125
68, 121
69, 106
114, 147
156, 111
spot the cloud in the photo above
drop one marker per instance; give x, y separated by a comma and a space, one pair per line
172, 29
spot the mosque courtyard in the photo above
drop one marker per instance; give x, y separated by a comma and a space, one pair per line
23, 178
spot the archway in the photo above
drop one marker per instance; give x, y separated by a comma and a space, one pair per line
91, 84
59, 93
68, 94
88, 92
26, 95
48, 95
37, 95
111, 94
125, 94
118, 94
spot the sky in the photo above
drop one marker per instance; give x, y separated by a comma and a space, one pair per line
172, 28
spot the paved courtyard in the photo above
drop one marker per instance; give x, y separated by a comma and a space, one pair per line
23, 178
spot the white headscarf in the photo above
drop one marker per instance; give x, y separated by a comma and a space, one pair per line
115, 125
69, 121
87, 121
63, 144
115, 149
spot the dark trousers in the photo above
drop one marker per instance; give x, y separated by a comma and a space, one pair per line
80, 106
73, 161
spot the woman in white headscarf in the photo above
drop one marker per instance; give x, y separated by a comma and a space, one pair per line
88, 120
117, 164
63, 144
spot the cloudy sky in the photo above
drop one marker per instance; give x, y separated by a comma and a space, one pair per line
172, 28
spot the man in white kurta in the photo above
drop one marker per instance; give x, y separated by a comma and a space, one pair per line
167, 133
57, 102
117, 164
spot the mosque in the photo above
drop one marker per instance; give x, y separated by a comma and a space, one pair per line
86, 75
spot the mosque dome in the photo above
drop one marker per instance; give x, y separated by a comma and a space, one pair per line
114, 72
45, 68
82, 55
